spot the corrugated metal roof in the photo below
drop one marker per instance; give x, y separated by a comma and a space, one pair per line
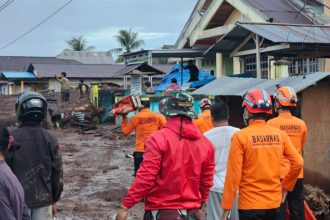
87, 71
140, 68
285, 33
281, 11
232, 86
167, 53
22, 63
17, 75
276, 33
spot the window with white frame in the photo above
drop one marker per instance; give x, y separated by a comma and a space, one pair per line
250, 65
305, 66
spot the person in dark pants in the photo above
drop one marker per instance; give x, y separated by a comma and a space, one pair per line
194, 71
65, 89
83, 89
177, 171
144, 124
285, 101
254, 163
38, 162
12, 204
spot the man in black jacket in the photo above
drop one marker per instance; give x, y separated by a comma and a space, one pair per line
37, 163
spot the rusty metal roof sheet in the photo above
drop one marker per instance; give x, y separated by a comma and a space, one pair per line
232, 86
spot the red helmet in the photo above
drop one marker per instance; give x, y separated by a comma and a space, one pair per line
205, 102
286, 96
257, 101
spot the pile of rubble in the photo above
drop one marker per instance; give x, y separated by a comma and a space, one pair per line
317, 200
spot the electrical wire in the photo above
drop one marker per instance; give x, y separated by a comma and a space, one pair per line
36, 26
6, 4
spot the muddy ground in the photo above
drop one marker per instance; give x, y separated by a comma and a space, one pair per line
96, 172
96, 175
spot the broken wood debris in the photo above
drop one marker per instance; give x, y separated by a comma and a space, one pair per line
317, 200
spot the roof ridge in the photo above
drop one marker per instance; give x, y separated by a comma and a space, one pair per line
80, 64
283, 24
29, 57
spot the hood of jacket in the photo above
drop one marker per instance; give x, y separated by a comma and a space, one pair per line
184, 127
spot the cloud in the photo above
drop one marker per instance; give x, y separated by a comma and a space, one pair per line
109, 32
153, 35
98, 21
104, 38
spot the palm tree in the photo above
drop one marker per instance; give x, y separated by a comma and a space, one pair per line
128, 41
79, 44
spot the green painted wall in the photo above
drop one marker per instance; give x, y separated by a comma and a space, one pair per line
228, 66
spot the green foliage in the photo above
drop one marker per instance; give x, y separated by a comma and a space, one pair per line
79, 44
128, 41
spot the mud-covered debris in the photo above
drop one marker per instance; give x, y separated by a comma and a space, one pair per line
316, 199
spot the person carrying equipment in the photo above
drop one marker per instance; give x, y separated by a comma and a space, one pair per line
285, 101
254, 163
204, 121
144, 124
178, 167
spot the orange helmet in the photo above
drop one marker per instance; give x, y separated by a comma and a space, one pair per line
257, 101
286, 96
205, 102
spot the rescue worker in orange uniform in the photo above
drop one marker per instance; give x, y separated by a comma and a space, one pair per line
254, 163
204, 120
144, 123
285, 101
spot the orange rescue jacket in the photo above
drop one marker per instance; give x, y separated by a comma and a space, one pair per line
296, 129
144, 123
204, 121
254, 167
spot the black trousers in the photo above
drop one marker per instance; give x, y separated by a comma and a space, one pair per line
259, 214
138, 158
295, 202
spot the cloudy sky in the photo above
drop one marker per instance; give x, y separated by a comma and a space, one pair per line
158, 22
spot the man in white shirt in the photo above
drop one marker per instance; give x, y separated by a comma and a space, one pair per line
220, 136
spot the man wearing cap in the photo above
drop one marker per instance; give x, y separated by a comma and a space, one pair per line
144, 123
204, 121
177, 171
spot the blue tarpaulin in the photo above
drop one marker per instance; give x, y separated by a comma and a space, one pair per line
17, 75
165, 82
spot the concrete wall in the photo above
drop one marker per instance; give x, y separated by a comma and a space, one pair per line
315, 112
